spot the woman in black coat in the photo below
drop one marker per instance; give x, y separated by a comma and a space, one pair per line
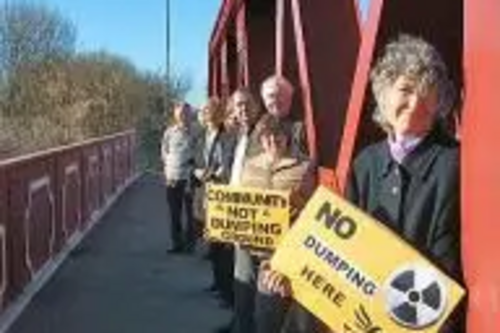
410, 180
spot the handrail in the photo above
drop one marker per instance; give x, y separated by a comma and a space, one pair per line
51, 197
63, 148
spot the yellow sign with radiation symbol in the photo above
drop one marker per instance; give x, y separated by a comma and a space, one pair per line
357, 275
250, 217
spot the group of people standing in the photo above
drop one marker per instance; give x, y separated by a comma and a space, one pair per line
408, 181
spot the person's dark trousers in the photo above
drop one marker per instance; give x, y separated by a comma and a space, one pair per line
244, 307
300, 320
456, 323
222, 258
213, 253
190, 229
270, 312
274, 313
179, 197
245, 287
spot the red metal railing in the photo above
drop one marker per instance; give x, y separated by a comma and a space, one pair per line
48, 198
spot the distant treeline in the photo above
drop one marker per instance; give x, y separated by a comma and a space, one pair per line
51, 95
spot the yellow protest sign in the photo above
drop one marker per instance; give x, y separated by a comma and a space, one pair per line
250, 217
356, 275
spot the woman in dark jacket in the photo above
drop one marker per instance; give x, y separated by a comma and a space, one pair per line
214, 148
410, 180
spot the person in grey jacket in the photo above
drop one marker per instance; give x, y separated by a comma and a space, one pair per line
177, 151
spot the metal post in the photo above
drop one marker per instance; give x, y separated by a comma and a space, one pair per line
168, 80
168, 38
279, 30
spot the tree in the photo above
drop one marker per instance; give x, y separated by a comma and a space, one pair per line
31, 34
34, 40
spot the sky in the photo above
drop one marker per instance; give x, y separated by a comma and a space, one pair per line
136, 30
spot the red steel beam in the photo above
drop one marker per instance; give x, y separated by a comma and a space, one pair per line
355, 108
242, 46
305, 84
481, 164
440, 23
227, 9
280, 35
3, 237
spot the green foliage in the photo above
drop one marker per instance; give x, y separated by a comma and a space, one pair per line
31, 33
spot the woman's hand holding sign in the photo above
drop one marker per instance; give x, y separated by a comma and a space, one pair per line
271, 281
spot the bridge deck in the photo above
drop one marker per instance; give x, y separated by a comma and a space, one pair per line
120, 279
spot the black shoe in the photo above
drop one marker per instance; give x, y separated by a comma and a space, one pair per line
223, 304
227, 300
174, 250
211, 289
189, 248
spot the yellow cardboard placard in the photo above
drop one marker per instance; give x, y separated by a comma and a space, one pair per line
250, 217
357, 275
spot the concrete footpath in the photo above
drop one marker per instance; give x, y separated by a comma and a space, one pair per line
121, 280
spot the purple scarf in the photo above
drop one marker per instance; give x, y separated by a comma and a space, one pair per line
402, 145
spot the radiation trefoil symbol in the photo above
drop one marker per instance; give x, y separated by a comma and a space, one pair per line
416, 296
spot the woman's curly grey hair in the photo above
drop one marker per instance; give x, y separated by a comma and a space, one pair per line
415, 58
